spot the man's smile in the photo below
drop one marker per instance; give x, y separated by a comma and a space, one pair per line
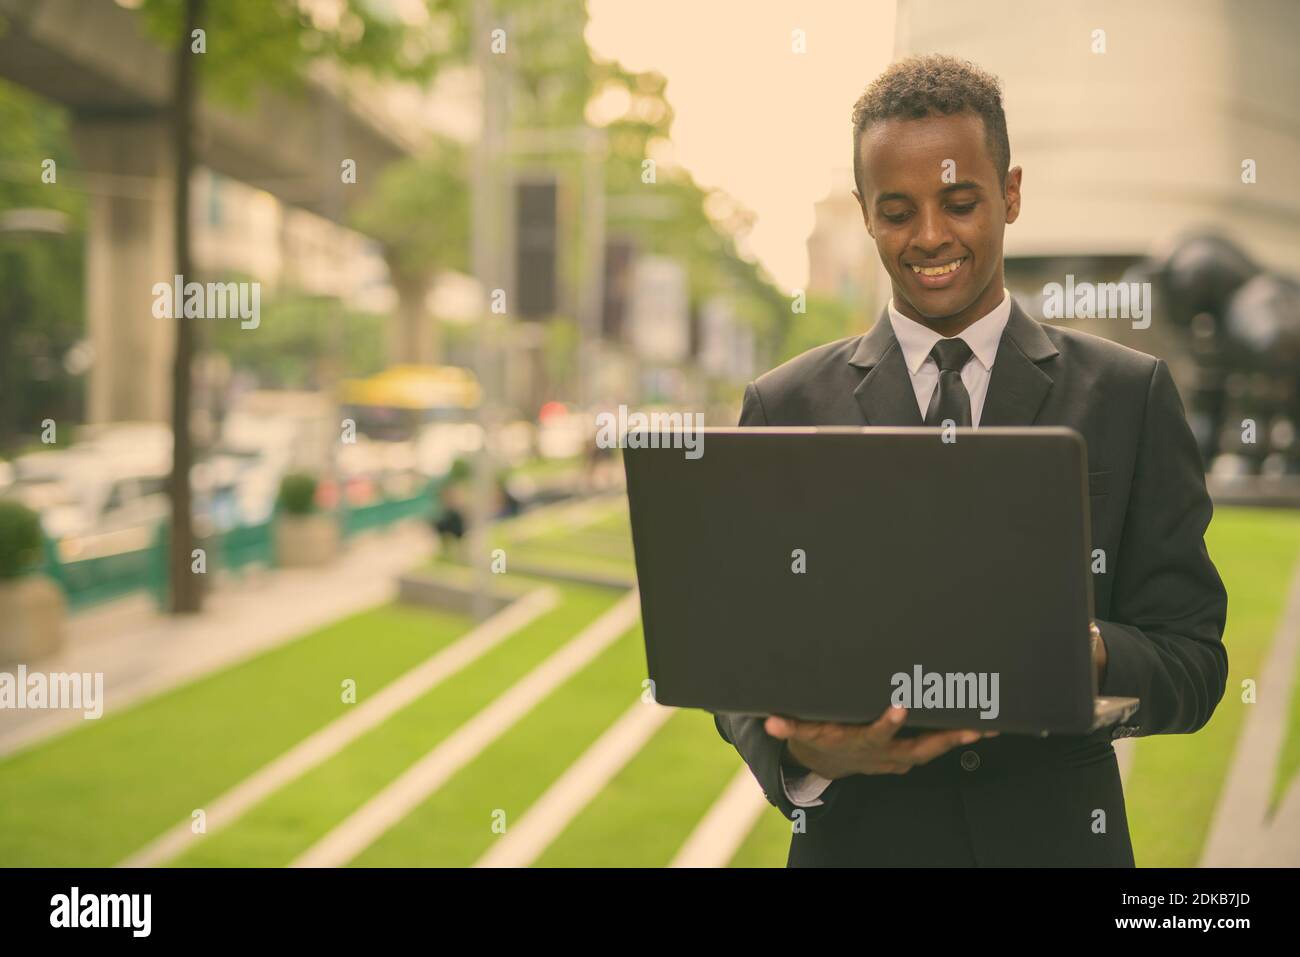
936, 274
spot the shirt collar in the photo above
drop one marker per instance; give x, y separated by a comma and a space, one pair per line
983, 335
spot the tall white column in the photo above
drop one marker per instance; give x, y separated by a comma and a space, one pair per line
129, 247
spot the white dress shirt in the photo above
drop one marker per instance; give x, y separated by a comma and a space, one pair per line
916, 341
983, 336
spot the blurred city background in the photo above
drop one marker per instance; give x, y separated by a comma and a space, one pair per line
374, 603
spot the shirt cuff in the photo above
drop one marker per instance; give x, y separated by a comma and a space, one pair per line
806, 789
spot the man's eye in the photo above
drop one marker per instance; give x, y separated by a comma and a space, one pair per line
896, 217
963, 210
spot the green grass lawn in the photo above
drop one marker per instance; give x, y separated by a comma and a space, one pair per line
94, 795
1176, 779
539, 560
540, 468
768, 843
601, 545
454, 827
650, 808
288, 822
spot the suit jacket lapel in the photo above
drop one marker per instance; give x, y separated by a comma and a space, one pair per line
1019, 384
885, 395
1016, 391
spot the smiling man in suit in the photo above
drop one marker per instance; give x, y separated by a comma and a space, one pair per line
932, 167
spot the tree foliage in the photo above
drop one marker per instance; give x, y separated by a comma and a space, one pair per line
41, 281
419, 212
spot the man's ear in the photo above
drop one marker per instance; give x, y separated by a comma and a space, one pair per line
1012, 194
866, 220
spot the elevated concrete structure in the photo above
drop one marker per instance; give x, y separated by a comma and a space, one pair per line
97, 59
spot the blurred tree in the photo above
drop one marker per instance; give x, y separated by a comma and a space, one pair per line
40, 277
293, 342
559, 85
824, 321
419, 213
560, 349
673, 216
234, 48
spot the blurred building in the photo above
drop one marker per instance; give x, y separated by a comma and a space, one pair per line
1132, 122
726, 345
842, 262
242, 231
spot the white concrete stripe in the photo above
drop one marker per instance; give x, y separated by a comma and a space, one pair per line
723, 829
376, 816
524, 841
1239, 834
332, 738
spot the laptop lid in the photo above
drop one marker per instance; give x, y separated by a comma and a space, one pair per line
826, 573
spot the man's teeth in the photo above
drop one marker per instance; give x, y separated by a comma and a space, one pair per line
938, 270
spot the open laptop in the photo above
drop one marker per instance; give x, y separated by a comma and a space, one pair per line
827, 573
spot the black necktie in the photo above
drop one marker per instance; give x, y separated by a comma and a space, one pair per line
950, 399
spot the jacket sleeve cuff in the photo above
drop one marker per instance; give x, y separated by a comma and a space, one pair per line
1128, 666
804, 790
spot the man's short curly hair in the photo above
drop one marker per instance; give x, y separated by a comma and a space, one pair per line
919, 86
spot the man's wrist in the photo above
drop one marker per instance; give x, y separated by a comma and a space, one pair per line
794, 767
790, 763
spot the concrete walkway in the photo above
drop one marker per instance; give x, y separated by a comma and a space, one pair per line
142, 652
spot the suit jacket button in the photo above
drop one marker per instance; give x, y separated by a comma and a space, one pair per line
970, 760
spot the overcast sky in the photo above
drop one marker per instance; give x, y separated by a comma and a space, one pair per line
765, 124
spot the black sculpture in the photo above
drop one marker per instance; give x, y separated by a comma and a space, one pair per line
1244, 329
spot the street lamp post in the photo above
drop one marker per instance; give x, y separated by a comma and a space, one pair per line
495, 147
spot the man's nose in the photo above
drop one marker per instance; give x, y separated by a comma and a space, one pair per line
932, 234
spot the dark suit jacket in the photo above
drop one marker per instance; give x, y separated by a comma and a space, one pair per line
1160, 604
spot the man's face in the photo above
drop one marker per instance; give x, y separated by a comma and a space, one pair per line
936, 208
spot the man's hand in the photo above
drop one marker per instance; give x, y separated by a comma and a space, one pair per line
838, 750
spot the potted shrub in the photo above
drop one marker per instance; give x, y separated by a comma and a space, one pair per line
304, 535
32, 609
